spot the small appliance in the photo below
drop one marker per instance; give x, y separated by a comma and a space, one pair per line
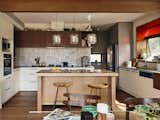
5, 45
7, 59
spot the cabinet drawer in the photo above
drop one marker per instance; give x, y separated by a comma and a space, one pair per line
28, 85
32, 86
6, 94
6, 84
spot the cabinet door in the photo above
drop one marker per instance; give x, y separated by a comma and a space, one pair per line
23, 38
28, 80
30, 39
38, 39
16, 81
50, 41
67, 39
7, 89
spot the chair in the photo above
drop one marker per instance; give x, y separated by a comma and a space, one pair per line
96, 89
61, 85
80, 100
131, 102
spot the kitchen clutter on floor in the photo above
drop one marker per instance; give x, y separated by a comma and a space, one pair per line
88, 113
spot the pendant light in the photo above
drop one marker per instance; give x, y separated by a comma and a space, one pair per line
56, 37
91, 38
74, 39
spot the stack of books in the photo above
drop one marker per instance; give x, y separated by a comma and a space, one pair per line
59, 114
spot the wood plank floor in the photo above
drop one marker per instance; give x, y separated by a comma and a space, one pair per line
19, 106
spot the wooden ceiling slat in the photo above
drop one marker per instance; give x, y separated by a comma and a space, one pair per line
80, 5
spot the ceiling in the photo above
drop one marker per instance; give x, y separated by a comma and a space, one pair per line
97, 18
114, 6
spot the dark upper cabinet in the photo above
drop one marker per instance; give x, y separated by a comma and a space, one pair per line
32, 38
105, 38
100, 46
29, 39
113, 34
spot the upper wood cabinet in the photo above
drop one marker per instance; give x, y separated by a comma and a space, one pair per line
30, 39
44, 39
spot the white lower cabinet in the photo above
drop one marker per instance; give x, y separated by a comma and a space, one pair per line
22, 79
7, 89
136, 85
28, 79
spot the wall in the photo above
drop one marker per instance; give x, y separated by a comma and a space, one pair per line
26, 56
124, 41
138, 22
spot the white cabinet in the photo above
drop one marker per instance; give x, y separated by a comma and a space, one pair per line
138, 86
28, 79
7, 89
16, 81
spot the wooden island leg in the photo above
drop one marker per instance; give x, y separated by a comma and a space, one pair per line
113, 92
39, 96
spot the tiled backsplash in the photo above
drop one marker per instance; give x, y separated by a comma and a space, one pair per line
26, 56
149, 65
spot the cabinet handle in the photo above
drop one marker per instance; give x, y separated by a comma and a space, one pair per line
32, 81
7, 89
8, 78
32, 74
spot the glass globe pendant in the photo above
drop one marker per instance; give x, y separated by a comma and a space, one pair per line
56, 39
74, 39
91, 39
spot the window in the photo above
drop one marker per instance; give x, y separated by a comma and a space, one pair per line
96, 57
153, 47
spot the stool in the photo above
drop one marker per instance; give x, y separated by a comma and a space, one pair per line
97, 88
61, 85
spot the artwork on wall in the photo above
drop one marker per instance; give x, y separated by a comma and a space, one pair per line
148, 30
144, 32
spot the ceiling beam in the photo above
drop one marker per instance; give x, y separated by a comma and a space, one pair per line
17, 20
80, 6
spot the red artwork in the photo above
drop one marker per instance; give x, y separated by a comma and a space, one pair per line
149, 29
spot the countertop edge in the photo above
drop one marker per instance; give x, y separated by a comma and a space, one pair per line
139, 69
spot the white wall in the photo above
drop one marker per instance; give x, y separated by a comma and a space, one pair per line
138, 22
124, 42
26, 56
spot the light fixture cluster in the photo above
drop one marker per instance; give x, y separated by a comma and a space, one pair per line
91, 38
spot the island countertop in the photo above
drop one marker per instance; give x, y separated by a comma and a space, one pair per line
96, 72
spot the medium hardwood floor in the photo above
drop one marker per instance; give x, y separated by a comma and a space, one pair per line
19, 106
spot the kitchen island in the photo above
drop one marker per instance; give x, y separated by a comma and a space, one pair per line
80, 80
